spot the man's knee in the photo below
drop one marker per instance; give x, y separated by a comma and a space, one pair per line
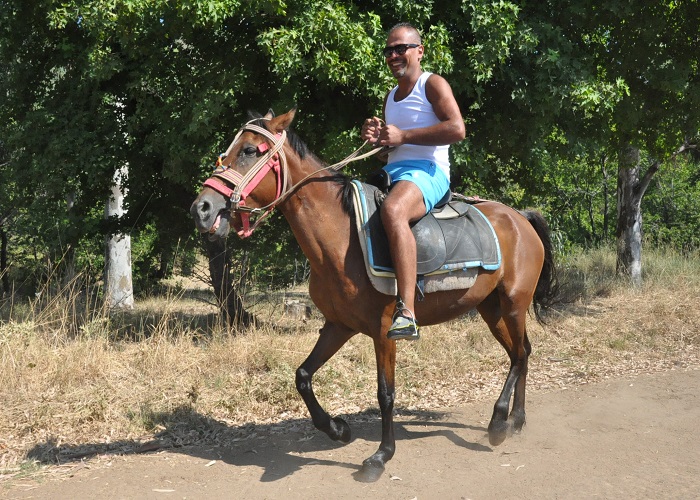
390, 210
403, 205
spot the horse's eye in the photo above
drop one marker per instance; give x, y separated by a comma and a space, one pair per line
250, 151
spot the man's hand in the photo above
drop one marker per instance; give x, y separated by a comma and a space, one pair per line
371, 129
390, 135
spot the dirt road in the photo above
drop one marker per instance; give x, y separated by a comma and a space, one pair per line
635, 437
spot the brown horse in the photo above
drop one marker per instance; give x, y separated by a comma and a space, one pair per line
266, 167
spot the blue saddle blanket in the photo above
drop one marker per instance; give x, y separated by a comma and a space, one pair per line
457, 236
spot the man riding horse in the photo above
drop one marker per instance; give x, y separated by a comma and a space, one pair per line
422, 119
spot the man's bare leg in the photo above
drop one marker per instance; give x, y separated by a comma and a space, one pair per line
403, 205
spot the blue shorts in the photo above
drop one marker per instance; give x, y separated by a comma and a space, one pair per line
425, 174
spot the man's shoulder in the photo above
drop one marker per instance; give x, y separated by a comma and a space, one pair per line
436, 84
434, 79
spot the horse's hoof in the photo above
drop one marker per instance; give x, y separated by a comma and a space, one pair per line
498, 430
370, 472
516, 422
340, 430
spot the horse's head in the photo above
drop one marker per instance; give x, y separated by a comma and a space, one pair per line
250, 178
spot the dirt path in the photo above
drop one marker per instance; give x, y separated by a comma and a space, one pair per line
635, 437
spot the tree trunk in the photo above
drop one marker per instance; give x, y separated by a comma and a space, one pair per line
606, 210
4, 223
119, 289
228, 298
630, 190
4, 278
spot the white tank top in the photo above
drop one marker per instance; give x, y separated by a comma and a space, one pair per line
415, 111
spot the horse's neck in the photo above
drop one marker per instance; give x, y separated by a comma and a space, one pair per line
315, 215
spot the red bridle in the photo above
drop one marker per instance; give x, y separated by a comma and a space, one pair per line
272, 159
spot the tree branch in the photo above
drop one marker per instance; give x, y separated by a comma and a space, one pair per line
685, 148
648, 175
654, 167
6, 216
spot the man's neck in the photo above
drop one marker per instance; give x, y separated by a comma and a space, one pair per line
408, 81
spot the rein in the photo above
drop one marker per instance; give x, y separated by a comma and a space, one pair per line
273, 159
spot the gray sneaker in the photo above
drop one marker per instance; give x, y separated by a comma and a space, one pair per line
403, 328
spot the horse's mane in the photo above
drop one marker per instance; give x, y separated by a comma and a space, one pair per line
346, 195
301, 149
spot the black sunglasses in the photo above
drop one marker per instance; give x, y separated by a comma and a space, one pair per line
399, 49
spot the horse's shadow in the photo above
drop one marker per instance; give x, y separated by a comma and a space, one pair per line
279, 449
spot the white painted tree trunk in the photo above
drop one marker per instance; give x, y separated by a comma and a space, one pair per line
119, 289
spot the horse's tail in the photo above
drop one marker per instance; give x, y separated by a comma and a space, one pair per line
548, 285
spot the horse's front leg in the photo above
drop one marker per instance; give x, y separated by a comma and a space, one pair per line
331, 338
385, 352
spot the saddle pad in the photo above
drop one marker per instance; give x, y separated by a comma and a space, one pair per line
464, 241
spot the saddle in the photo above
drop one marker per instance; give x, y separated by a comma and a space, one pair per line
453, 241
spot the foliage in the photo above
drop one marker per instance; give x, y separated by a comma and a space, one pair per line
549, 91
673, 208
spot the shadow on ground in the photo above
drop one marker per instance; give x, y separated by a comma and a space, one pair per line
278, 449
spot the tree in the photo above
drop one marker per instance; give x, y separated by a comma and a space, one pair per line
613, 78
227, 295
119, 290
540, 84
652, 46
67, 75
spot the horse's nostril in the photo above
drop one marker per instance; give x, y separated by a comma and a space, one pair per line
200, 209
204, 207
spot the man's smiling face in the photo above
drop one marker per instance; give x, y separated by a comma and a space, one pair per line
400, 65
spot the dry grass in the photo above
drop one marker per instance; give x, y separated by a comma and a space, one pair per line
75, 382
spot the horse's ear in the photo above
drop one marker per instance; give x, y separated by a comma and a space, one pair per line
270, 114
283, 122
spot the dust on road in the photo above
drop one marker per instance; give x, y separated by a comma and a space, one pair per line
634, 437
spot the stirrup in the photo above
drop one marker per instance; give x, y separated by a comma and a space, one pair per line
403, 326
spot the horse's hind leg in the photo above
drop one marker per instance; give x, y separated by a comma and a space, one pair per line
331, 338
517, 414
507, 324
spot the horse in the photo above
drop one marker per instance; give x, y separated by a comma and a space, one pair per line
268, 166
